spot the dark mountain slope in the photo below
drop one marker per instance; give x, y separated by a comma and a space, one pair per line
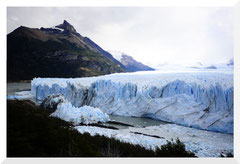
96, 48
53, 52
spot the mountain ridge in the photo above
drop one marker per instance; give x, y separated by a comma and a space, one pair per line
54, 52
129, 62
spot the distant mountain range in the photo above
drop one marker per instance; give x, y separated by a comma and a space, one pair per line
131, 64
59, 51
228, 65
195, 66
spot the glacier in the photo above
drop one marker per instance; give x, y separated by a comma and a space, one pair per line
84, 114
198, 99
59, 107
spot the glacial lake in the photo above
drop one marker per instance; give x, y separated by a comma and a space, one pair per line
12, 88
135, 121
17, 87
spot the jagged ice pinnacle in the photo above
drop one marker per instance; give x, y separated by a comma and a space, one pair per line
202, 100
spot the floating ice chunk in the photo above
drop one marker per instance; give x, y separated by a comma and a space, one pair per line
127, 137
21, 95
202, 143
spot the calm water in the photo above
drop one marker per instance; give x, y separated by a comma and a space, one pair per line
17, 87
137, 122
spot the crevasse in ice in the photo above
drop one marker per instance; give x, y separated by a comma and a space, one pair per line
202, 100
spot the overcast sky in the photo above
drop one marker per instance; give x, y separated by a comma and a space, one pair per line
152, 35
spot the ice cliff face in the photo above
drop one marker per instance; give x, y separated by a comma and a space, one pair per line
202, 100
77, 115
59, 107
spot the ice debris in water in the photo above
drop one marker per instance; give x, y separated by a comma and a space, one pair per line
20, 95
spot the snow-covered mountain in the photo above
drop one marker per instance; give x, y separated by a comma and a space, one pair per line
228, 65
231, 62
195, 66
131, 64
200, 99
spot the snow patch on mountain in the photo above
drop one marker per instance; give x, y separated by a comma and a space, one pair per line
117, 55
57, 28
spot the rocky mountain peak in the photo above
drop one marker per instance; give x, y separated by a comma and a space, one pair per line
66, 23
67, 27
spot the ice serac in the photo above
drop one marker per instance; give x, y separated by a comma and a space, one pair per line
77, 115
202, 100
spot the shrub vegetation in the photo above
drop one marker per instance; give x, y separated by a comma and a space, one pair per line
32, 133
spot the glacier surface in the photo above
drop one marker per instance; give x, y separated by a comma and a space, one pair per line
198, 99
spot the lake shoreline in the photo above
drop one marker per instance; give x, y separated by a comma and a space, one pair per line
34, 122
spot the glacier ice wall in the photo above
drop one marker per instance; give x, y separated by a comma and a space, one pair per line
208, 107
